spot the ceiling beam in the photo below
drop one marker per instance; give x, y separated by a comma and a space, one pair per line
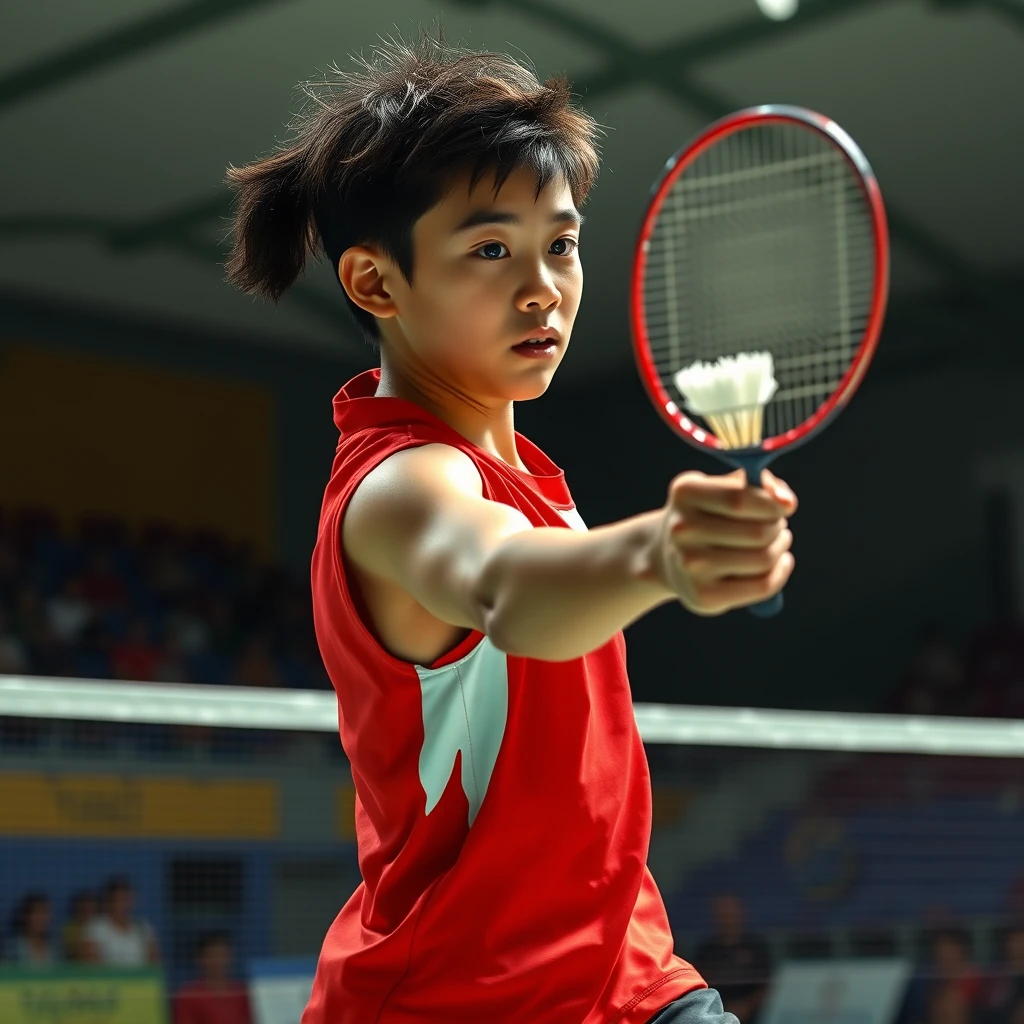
668, 67
664, 66
183, 239
123, 43
1010, 9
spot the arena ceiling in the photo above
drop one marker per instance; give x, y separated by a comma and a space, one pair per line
118, 119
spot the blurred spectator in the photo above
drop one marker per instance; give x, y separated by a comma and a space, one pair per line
951, 963
81, 913
214, 998
91, 658
120, 939
10, 573
202, 598
68, 613
136, 657
189, 629
221, 619
949, 1005
31, 931
951, 985
936, 681
255, 667
171, 666
101, 586
734, 962
1004, 999
13, 653
29, 618
168, 576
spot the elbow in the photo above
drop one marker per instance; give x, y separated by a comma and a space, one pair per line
519, 637
513, 621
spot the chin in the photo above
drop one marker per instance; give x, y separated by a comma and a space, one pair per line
532, 387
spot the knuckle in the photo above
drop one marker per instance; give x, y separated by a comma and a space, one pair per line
682, 483
736, 500
782, 543
683, 524
694, 561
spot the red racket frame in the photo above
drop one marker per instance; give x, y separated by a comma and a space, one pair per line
663, 401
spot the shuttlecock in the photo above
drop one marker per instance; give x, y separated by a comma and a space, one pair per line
730, 395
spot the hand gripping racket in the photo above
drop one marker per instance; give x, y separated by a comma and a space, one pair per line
759, 285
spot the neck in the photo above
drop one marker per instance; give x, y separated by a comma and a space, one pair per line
488, 425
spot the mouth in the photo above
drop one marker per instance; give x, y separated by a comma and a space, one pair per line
543, 342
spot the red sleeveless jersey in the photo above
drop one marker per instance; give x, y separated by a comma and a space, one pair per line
503, 804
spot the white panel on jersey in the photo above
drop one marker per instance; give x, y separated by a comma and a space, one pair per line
465, 707
572, 517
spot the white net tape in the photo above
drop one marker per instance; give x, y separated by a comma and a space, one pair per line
315, 711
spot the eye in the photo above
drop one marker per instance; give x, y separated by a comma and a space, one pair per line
492, 251
565, 246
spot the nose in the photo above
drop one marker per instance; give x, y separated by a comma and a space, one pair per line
538, 292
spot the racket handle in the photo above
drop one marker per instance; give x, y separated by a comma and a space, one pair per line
769, 608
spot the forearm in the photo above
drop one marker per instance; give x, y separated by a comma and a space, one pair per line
557, 594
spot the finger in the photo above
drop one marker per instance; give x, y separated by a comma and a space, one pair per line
724, 496
740, 592
697, 529
719, 563
781, 491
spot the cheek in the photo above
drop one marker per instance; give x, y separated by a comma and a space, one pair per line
458, 303
572, 290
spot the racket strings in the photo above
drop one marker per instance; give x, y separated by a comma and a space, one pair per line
764, 243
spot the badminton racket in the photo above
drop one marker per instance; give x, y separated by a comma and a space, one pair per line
759, 285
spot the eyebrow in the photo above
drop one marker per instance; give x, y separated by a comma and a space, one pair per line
481, 217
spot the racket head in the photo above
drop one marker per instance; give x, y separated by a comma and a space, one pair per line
759, 184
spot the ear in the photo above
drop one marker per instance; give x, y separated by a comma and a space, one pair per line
364, 274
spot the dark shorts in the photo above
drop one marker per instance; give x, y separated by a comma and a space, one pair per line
701, 1007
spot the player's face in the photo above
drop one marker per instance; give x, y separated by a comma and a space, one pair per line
491, 271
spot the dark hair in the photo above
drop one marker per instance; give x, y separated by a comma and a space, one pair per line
215, 937
115, 884
955, 935
377, 147
31, 900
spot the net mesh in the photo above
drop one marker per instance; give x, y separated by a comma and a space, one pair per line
230, 812
764, 243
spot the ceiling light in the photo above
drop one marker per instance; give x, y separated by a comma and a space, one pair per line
778, 10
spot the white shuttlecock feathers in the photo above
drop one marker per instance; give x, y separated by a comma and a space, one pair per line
730, 395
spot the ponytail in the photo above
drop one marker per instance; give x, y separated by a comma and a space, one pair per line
273, 227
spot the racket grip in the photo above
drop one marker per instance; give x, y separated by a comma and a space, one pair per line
768, 609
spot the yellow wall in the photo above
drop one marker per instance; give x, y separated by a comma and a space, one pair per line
81, 434
125, 807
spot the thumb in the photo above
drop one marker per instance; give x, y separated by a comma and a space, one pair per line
779, 490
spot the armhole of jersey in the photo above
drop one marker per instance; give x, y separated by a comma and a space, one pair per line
350, 596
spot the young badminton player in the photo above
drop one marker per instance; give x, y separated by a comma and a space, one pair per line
469, 621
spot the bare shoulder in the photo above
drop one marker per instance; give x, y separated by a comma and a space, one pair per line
391, 518
401, 494
425, 470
